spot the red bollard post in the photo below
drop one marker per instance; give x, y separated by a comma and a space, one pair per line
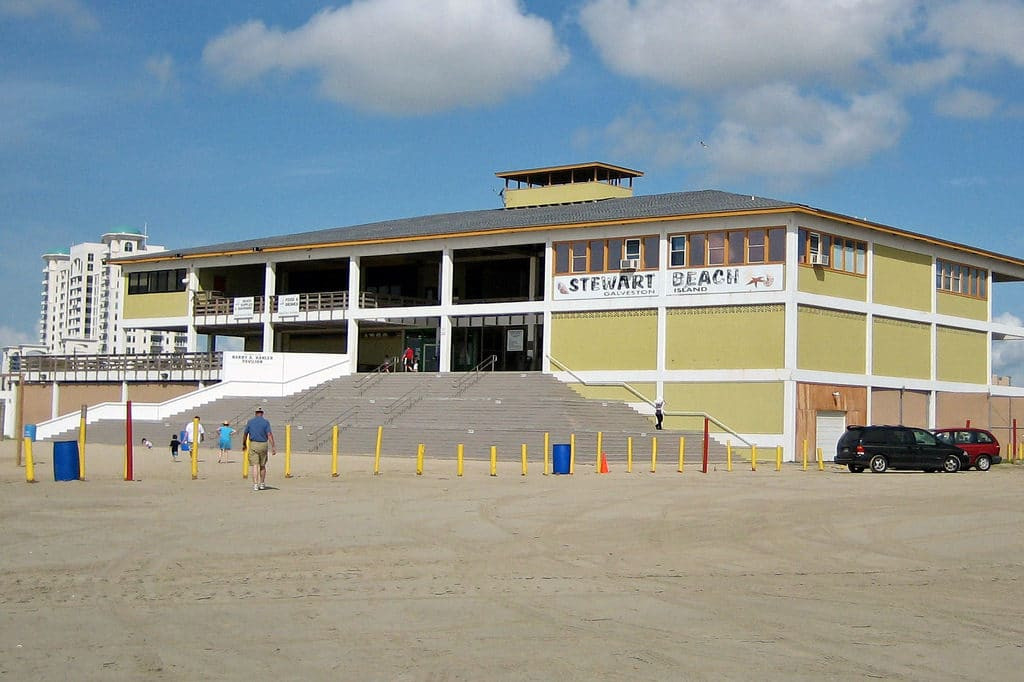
704, 465
128, 473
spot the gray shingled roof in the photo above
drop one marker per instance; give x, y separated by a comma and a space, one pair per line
607, 210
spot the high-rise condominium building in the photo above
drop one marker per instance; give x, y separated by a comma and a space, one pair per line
81, 300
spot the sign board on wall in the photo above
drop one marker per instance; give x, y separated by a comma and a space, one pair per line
243, 366
288, 304
726, 280
610, 285
514, 342
244, 306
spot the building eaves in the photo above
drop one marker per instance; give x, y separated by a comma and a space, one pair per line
607, 211
448, 224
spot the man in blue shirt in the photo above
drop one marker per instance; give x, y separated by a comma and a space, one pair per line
259, 437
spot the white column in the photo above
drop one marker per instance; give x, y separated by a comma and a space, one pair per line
269, 287
352, 330
55, 400
191, 287
444, 329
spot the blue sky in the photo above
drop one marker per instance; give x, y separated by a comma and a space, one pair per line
214, 121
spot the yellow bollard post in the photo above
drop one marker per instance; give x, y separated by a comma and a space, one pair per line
81, 445
821, 460
334, 452
572, 453
805, 454
778, 458
193, 448
245, 458
682, 452
654, 453
287, 450
419, 460
524, 459
547, 446
728, 455
629, 455
30, 467
458, 460
376, 457
494, 460
597, 462
753, 457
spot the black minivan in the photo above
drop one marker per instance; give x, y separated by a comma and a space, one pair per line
897, 447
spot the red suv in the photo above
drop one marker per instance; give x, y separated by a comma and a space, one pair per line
979, 444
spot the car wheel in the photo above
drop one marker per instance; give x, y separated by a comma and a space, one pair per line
983, 463
951, 464
855, 468
878, 464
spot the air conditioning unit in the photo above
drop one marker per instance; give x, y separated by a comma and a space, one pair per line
629, 264
819, 259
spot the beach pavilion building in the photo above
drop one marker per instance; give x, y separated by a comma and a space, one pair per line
782, 321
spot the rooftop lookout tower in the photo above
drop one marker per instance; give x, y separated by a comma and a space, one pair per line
567, 184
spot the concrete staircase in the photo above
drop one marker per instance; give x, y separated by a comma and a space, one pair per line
500, 409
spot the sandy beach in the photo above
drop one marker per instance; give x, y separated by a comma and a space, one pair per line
727, 575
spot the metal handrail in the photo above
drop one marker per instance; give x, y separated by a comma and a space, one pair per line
346, 416
474, 375
307, 397
638, 394
402, 404
373, 377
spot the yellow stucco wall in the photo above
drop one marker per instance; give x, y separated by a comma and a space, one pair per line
832, 283
564, 194
900, 348
142, 306
961, 306
619, 339
902, 278
831, 340
960, 355
745, 408
726, 337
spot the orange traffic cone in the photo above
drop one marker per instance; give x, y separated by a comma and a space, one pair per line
604, 464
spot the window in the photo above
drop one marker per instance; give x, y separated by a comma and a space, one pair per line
677, 251
596, 256
733, 247
843, 254
961, 279
604, 255
158, 281
633, 249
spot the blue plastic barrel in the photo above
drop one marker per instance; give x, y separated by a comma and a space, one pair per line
560, 454
30, 432
65, 460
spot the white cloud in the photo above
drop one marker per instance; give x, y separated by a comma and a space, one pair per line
966, 103
776, 132
1008, 356
723, 44
71, 11
986, 27
401, 56
925, 74
162, 69
9, 336
663, 137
